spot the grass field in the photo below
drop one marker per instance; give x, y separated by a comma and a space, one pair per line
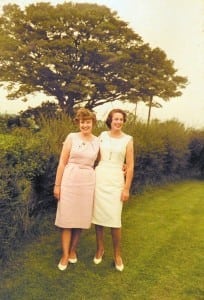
163, 243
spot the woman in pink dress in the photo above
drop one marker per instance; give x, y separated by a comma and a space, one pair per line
75, 183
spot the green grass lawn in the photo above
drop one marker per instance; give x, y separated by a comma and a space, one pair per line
163, 243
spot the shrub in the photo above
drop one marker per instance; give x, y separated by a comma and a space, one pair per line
196, 147
21, 162
3, 123
161, 151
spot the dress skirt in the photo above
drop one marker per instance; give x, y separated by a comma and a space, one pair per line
75, 206
107, 204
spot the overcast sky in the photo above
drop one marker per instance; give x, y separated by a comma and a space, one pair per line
177, 27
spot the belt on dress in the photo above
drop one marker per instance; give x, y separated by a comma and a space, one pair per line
81, 166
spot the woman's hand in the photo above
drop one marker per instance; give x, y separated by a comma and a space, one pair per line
124, 169
125, 195
57, 192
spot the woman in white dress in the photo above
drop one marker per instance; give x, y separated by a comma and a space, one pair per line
112, 187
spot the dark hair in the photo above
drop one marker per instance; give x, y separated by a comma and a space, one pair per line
111, 113
84, 114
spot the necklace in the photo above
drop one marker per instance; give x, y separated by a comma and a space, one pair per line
110, 152
117, 137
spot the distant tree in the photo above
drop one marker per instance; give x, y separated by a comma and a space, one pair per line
80, 53
156, 77
46, 109
4, 123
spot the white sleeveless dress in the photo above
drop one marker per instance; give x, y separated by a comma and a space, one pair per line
110, 180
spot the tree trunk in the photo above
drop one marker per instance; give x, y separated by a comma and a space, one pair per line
67, 106
70, 109
149, 111
135, 110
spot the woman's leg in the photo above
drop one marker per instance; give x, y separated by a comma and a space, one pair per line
65, 242
99, 241
76, 232
116, 238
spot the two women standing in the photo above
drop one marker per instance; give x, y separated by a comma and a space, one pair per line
76, 182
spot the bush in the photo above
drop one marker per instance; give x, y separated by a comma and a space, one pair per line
196, 147
161, 152
21, 163
3, 123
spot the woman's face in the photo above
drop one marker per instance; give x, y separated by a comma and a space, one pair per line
117, 121
86, 126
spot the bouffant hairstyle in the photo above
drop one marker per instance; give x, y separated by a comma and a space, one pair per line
84, 114
111, 113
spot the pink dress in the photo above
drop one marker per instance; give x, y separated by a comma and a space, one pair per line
75, 207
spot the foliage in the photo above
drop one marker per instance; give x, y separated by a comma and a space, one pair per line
196, 146
158, 78
28, 162
3, 123
49, 110
21, 163
30, 117
80, 53
162, 151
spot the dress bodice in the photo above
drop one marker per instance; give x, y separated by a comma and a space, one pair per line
83, 152
113, 150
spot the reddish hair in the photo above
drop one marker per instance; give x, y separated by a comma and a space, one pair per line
85, 114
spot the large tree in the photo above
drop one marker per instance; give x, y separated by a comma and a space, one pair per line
80, 53
70, 51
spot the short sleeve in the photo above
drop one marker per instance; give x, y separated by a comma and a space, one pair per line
68, 138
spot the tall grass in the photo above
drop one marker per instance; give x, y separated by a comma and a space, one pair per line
54, 132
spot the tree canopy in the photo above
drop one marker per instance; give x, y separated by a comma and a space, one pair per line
80, 53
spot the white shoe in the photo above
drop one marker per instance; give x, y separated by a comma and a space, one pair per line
98, 260
62, 267
73, 260
119, 267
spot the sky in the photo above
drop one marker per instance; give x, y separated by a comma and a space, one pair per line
175, 26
